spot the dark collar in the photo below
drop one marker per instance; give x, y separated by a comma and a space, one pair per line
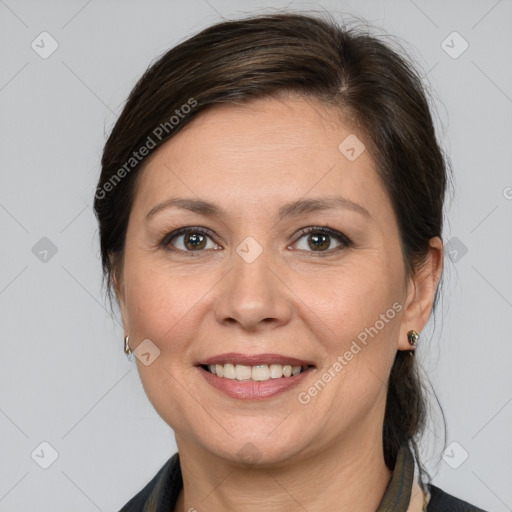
163, 491
398, 492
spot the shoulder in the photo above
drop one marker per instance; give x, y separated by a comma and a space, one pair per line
161, 492
443, 502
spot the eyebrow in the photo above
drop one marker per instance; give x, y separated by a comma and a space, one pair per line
293, 209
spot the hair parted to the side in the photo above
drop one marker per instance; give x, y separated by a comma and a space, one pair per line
351, 73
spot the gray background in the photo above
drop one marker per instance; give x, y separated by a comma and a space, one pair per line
64, 378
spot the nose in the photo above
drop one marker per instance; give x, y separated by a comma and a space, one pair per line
254, 296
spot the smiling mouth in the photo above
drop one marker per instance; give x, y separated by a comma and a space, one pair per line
257, 373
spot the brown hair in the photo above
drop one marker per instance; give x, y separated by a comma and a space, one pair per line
347, 70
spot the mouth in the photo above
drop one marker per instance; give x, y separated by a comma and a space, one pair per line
254, 376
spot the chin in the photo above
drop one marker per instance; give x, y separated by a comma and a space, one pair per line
259, 449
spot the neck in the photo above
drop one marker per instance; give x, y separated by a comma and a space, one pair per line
351, 474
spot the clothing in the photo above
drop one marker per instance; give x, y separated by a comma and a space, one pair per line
403, 493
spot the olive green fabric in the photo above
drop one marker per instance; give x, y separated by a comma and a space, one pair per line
398, 493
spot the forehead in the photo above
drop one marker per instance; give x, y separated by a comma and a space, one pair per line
267, 127
261, 151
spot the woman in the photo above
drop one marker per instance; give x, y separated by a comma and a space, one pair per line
270, 213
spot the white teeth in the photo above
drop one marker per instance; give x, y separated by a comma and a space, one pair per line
260, 372
276, 371
242, 372
229, 371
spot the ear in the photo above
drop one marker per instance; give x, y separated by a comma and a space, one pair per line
420, 293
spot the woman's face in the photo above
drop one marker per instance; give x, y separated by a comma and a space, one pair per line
247, 285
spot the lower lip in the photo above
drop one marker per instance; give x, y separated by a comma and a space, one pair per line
253, 390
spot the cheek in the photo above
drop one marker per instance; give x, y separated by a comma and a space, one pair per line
350, 300
355, 317
356, 323
164, 308
159, 300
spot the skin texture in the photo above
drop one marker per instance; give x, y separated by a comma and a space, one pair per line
294, 300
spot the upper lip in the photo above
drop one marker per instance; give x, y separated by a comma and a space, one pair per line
254, 359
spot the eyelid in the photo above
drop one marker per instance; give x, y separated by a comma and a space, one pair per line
165, 242
344, 240
339, 236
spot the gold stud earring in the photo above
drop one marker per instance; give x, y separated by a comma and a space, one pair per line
413, 337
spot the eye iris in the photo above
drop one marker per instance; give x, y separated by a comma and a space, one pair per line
320, 241
194, 241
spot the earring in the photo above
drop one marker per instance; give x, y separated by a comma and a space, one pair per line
127, 349
413, 337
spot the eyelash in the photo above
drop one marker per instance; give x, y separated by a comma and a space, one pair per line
340, 237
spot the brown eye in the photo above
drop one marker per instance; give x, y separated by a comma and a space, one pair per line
321, 240
189, 240
194, 241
